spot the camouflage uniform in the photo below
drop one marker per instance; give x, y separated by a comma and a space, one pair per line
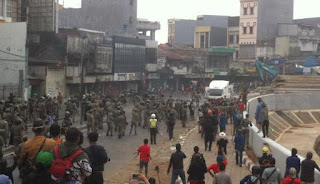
134, 120
101, 115
139, 112
110, 122
17, 129
90, 121
4, 132
116, 114
146, 116
122, 124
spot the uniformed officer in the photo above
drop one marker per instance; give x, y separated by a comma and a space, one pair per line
90, 121
153, 129
122, 123
110, 121
134, 120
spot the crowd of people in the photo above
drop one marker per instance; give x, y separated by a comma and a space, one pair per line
47, 158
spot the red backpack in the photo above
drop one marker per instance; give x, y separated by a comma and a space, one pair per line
60, 166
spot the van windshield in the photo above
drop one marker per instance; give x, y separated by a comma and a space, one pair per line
215, 92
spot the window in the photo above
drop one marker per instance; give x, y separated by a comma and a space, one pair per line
202, 41
237, 39
244, 30
252, 10
231, 39
9, 9
251, 29
245, 11
1, 7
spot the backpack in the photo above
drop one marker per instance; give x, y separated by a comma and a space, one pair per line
255, 181
61, 166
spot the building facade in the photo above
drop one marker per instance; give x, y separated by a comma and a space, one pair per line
296, 40
206, 37
13, 57
181, 31
113, 17
7, 11
233, 36
258, 25
147, 29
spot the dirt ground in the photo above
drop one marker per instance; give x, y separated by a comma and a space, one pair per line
160, 156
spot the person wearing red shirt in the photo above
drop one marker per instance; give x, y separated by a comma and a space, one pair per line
144, 152
291, 179
241, 106
215, 167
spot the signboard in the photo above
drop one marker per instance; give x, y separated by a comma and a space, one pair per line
161, 63
125, 77
153, 76
251, 69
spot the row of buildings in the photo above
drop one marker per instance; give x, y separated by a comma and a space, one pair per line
264, 30
103, 46
48, 49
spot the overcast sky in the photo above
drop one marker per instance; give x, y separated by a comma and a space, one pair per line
162, 10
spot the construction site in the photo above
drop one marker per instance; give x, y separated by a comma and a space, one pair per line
294, 117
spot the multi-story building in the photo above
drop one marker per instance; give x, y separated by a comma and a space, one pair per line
113, 17
258, 25
41, 15
8, 11
233, 36
147, 29
296, 40
181, 31
206, 37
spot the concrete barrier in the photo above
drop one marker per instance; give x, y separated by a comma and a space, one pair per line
275, 102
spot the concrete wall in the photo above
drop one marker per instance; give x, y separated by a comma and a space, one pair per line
272, 12
287, 30
184, 31
293, 101
114, 17
13, 42
218, 36
247, 51
56, 82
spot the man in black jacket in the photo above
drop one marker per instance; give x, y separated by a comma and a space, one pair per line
307, 169
176, 162
97, 158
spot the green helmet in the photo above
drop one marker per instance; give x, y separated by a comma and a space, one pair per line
45, 158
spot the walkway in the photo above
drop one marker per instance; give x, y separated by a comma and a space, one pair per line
194, 139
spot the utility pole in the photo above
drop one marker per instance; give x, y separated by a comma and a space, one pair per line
81, 79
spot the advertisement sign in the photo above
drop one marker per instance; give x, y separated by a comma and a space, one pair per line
124, 76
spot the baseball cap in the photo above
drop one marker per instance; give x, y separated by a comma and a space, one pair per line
45, 158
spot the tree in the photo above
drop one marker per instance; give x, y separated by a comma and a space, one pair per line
233, 74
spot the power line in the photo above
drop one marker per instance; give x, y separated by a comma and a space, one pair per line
12, 54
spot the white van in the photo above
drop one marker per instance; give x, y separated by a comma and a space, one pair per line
219, 89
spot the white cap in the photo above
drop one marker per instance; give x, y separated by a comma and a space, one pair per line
153, 116
222, 134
